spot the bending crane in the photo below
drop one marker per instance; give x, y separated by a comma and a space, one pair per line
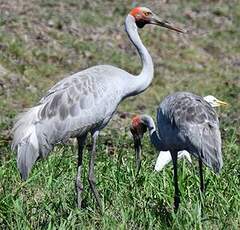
184, 122
164, 157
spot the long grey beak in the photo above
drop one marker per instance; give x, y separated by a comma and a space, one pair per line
138, 151
157, 21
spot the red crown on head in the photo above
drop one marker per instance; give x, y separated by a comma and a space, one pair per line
135, 11
136, 121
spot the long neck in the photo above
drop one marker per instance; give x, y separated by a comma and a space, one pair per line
154, 137
143, 80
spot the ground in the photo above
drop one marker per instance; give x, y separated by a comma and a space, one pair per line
43, 41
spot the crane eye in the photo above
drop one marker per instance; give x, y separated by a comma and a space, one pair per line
147, 13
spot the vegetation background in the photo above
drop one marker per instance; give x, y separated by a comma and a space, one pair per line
43, 41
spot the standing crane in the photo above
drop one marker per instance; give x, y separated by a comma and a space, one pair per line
83, 103
164, 157
184, 122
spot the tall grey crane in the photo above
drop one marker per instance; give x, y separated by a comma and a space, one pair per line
185, 121
83, 103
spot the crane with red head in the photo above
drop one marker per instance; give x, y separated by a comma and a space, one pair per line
83, 103
185, 122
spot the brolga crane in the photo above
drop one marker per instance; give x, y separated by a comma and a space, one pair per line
83, 103
164, 157
185, 121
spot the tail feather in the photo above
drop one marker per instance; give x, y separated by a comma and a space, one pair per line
25, 141
27, 154
211, 153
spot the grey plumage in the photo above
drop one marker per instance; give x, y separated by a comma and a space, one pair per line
187, 122
25, 141
69, 109
83, 103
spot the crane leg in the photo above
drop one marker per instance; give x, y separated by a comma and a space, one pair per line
91, 177
79, 186
201, 174
175, 180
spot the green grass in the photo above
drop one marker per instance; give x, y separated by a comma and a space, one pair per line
40, 43
47, 199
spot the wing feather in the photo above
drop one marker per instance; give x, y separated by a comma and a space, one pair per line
196, 125
78, 103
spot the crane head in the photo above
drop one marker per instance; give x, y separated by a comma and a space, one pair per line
143, 16
214, 102
138, 128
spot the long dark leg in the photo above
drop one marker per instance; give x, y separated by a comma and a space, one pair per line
91, 177
201, 174
175, 180
79, 186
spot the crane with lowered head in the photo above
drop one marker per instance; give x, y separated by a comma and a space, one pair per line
164, 157
185, 121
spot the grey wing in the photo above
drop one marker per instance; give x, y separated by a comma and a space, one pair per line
197, 126
59, 87
80, 103
67, 97
72, 109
